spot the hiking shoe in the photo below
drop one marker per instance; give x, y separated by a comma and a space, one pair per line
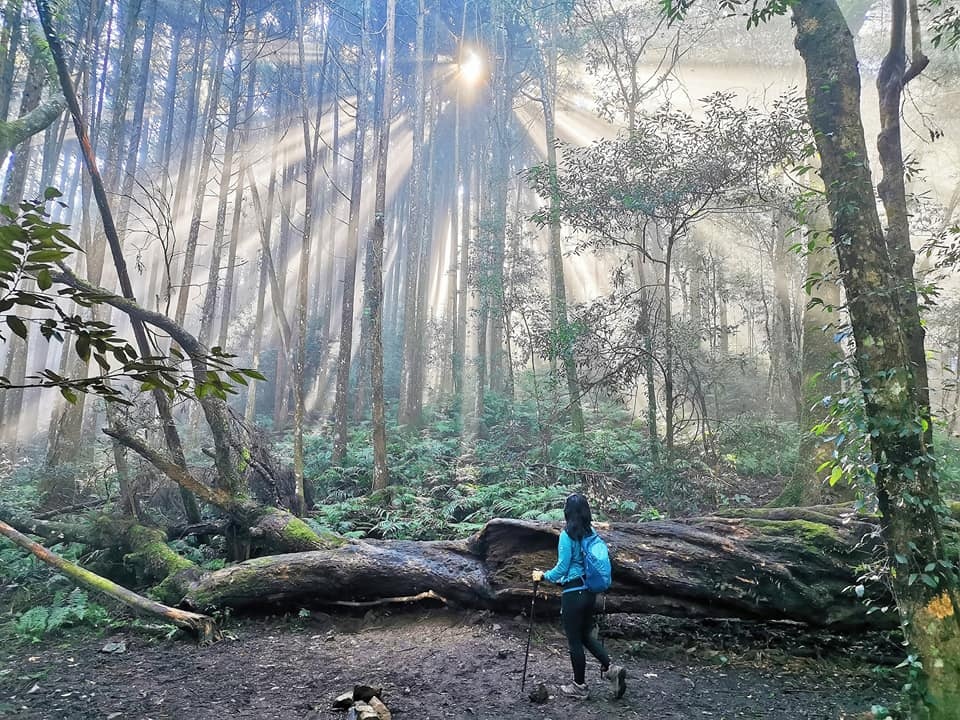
576, 691
617, 677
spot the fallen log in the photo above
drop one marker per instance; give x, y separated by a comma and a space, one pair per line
200, 626
141, 551
785, 564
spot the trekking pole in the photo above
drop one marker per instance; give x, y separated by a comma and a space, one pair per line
526, 657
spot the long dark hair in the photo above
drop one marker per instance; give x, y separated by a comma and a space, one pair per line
576, 511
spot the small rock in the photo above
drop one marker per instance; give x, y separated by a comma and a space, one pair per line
380, 709
539, 695
503, 653
343, 701
362, 711
406, 691
363, 693
115, 647
496, 627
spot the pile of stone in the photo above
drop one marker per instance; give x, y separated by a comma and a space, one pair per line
363, 703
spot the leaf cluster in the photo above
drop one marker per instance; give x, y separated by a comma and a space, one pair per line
674, 168
34, 292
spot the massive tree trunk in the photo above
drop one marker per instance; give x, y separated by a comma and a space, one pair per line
877, 273
788, 564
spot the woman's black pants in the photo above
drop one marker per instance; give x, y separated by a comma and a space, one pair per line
576, 612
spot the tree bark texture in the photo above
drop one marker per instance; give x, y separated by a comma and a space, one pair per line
877, 273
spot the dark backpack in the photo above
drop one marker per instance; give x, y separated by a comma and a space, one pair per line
596, 564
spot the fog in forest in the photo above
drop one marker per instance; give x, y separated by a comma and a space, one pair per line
248, 150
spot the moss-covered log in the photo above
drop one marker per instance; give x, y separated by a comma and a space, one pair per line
266, 529
784, 564
200, 626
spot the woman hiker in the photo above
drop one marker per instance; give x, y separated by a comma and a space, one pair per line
577, 603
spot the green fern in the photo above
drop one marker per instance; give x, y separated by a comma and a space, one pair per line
68, 610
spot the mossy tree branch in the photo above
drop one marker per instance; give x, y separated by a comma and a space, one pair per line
200, 626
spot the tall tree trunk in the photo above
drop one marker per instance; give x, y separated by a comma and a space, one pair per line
416, 242
13, 418
787, 345
345, 352
303, 276
374, 293
818, 355
668, 349
230, 279
563, 340
191, 114
646, 328
463, 290
203, 174
249, 414
136, 126
164, 411
209, 309
9, 45
496, 221
178, 23
878, 281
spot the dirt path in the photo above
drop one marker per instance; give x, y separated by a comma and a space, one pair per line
432, 665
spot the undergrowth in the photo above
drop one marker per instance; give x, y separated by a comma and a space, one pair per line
65, 610
447, 483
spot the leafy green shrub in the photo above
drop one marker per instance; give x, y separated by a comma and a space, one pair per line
66, 610
947, 450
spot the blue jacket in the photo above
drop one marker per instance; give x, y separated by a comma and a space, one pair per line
569, 562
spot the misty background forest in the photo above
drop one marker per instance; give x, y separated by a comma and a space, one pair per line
332, 304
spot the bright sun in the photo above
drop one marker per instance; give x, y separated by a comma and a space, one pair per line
471, 69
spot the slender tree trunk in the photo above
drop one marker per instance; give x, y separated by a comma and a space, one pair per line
13, 418
668, 349
203, 174
788, 349
209, 310
249, 414
819, 353
171, 435
350, 263
170, 96
463, 291
303, 277
374, 295
562, 331
136, 126
230, 280
416, 242
9, 45
191, 114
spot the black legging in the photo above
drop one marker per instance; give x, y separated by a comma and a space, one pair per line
576, 612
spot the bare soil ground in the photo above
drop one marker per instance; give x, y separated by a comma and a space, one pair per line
436, 664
